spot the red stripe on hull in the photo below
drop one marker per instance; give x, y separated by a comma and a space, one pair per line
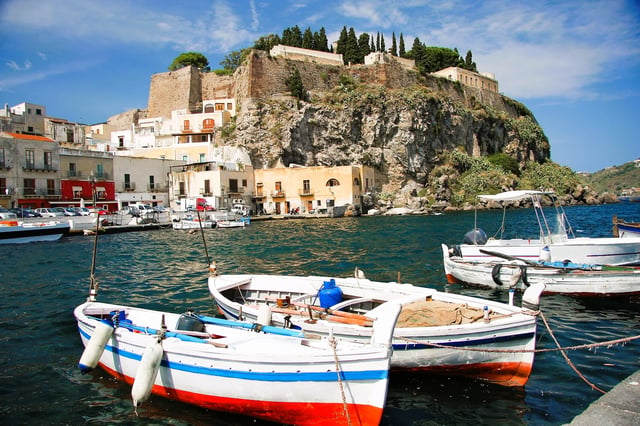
502, 373
452, 280
298, 413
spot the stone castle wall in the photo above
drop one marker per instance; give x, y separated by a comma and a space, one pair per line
169, 91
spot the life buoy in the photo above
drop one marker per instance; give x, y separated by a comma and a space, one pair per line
495, 273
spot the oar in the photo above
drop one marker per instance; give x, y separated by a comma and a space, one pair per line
508, 257
239, 324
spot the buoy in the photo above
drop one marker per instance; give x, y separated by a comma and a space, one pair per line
95, 347
147, 372
264, 315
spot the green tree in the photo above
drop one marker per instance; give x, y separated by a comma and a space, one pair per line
195, 59
351, 54
267, 42
382, 48
307, 39
468, 62
363, 47
320, 40
394, 47
342, 41
295, 85
234, 59
401, 50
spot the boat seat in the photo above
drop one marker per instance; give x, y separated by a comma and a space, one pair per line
350, 302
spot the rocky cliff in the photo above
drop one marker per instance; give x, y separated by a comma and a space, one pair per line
384, 116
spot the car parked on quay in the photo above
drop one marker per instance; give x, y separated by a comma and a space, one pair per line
23, 212
49, 212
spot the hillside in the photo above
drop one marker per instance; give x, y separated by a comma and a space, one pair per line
615, 179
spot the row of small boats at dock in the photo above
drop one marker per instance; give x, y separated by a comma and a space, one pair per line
320, 350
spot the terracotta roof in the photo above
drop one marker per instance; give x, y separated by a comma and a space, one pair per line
28, 137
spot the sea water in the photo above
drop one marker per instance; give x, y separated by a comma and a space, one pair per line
41, 283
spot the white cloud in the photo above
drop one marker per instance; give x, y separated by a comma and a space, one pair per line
14, 65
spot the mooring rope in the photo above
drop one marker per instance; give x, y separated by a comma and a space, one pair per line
333, 342
566, 358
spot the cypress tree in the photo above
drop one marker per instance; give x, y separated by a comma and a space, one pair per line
342, 42
382, 48
363, 47
394, 47
401, 50
351, 55
307, 39
377, 42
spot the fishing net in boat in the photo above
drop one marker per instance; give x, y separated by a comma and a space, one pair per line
431, 313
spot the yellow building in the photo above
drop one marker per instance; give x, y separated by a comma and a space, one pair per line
317, 189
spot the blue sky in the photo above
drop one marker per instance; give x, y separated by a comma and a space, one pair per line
575, 64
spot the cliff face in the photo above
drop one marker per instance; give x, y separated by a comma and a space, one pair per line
382, 116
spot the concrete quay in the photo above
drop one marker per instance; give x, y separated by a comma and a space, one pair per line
618, 407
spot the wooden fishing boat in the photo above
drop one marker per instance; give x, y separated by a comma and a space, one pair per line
279, 375
558, 277
188, 222
624, 229
18, 232
436, 332
556, 241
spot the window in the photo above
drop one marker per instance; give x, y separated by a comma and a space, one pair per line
30, 129
202, 157
185, 158
72, 169
186, 125
333, 182
207, 186
29, 186
99, 170
3, 186
229, 106
208, 124
356, 182
259, 188
209, 108
48, 160
306, 186
120, 141
244, 183
233, 185
278, 186
2, 163
127, 181
152, 183
219, 106
29, 155
181, 188
51, 187
69, 135
38, 111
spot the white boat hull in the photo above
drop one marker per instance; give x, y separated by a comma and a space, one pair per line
516, 274
500, 351
14, 232
277, 378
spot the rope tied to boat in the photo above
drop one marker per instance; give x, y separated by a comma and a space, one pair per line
334, 343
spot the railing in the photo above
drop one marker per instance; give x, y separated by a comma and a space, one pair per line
278, 194
157, 187
305, 192
128, 187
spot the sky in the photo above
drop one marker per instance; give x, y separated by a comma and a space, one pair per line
575, 63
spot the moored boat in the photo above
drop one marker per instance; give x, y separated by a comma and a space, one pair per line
436, 332
556, 241
19, 232
274, 374
624, 229
558, 277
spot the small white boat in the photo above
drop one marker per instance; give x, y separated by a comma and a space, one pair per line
436, 332
284, 376
558, 277
192, 222
18, 232
624, 229
555, 243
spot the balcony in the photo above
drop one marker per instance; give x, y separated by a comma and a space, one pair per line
305, 192
157, 187
278, 194
128, 187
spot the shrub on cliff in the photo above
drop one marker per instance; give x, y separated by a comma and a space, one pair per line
549, 176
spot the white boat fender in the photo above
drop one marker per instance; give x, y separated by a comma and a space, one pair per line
102, 332
147, 372
264, 315
531, 296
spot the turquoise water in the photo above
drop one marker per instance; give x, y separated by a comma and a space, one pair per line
41, 283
